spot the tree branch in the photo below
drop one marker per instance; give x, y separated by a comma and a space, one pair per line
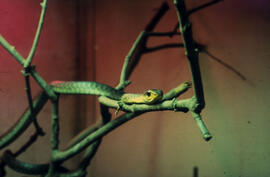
191, 51
35, 42
12, 50
62, 156
22, 124
137, 49
30, 102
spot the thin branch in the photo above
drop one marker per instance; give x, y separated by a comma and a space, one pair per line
62, 156
173, 105
137, 49
55, 125
126, 69
206, 134
203, 6
92, 149
31, 140
177, 91
12, 50
30, 102
81, 136
164, 46
35, 42
23, 123
190, 51
27, 168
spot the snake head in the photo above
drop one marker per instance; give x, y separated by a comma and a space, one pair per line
152, 96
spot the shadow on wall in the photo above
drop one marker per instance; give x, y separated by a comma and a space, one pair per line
195, 171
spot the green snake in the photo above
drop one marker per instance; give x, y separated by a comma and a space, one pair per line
151, 96
94, 88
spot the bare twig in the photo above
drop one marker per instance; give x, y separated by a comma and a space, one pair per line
12, 50
31, 140
30, 102
28, 61
138, 48
18, 57
127, 66
92, 149
191, 51
206, 134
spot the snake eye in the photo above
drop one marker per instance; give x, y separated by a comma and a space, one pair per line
148, 93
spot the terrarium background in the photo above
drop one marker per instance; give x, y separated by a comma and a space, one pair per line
88, 40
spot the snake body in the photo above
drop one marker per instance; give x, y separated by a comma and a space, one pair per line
94, 88
88, 88
80, 87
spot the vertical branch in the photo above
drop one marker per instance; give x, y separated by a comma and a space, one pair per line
191, 51
30, 102
54, 137
35, 42
206, 134
55, 125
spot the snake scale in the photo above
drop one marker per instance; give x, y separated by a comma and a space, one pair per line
94, 88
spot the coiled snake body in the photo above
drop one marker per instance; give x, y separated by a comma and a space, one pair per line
94, 88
